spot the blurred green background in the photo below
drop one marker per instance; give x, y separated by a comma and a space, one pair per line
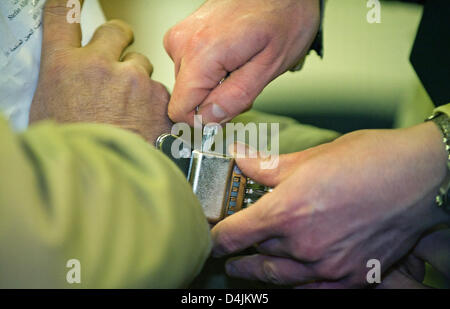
365, 79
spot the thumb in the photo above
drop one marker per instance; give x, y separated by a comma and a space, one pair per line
244, 229
254, 164
256, 223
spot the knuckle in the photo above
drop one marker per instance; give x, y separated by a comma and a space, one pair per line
135, 76
168, 37
241, 94
141, 59
147, 62
175, 113
270, 273
118, 27
57, 8
173, 39
199, 40
161, 91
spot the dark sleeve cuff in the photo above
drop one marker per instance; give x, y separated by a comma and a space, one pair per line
430, 54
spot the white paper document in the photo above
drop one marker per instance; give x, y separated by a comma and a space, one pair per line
20, 51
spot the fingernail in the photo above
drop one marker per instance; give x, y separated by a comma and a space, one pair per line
218, 112
212, 113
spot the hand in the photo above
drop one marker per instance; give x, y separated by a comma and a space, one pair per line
408, 274
433, 248
367, 195
254, 41
91, 84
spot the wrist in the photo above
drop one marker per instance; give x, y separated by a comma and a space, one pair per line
317, 43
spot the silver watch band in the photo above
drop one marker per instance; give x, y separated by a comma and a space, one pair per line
443, 123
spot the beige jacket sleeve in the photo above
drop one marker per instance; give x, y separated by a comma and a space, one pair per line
99, 196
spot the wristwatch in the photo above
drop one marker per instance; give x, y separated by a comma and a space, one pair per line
443, 123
